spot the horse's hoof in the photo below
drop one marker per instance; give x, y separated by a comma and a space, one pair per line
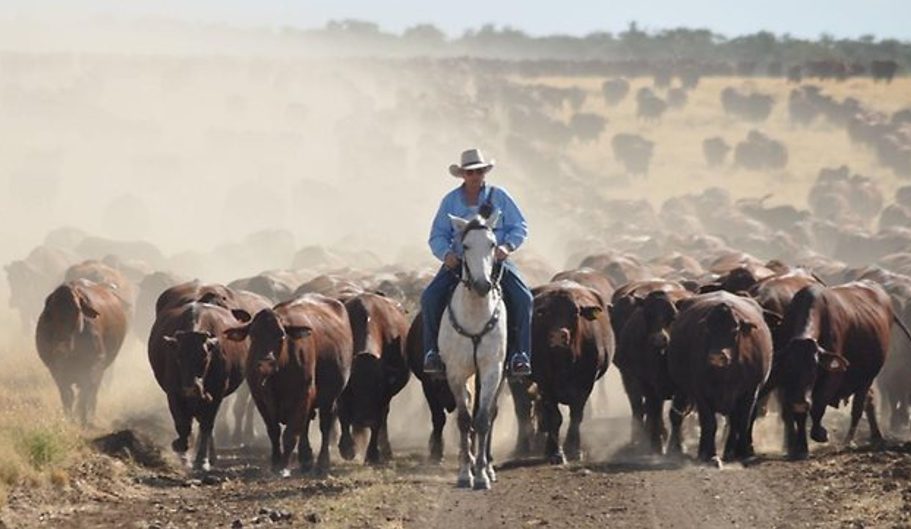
481, 484
717, 462
465, 483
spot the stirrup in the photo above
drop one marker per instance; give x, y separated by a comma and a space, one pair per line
433, 364
520, 365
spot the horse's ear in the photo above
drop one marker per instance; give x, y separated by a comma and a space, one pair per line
458, 223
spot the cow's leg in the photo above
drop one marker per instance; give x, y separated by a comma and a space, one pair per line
708, 425
438, 418
522, 405
88, 397
466, 457
249, 417
487, 395
346, 441
655, 422
182, 423
677, 413
876, 436
637, 408
379, 442
573, 443
65, 387
205, 447
327, 415
385, 446
553, 420
817, 410
899, 422
289, 439
238, 406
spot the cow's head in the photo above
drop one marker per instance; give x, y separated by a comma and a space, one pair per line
269, 342
802, 359
560, 313
658, 312
195, 351
723, 332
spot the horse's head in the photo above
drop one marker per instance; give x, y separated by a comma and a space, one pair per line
478, 247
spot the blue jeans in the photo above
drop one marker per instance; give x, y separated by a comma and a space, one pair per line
516, 294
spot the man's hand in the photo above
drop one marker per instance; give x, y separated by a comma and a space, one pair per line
502, 252
451, 261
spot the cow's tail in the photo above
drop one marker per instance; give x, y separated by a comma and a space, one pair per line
902, 326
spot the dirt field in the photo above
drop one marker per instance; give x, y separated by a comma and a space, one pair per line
847, 488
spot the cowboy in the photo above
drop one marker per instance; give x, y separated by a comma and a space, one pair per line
466, 201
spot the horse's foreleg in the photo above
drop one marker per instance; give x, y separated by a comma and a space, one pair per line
463, 409
487, 397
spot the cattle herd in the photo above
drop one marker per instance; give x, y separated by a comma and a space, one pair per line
686, 319
704, 304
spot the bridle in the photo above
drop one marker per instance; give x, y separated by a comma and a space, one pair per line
466, 279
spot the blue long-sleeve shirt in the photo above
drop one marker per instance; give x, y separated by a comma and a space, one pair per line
511, 228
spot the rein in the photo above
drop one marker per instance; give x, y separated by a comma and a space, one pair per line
465, 279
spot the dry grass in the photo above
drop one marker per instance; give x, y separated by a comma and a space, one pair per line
37, 443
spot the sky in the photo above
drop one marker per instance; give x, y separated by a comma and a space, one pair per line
800, 18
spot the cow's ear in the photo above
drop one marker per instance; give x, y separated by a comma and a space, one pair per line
609, 308
591, 313
299, 331
746, 327
241, 315
237, 334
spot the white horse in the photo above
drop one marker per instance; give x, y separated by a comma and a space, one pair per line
472, 343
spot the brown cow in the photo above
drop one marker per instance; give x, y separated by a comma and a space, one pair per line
642, 361
243, 407
300, 361
624, 300
197, 369
572, 345
379, 371
78, 335
191, 291
718, 357
101, 273
836, 343
439, 397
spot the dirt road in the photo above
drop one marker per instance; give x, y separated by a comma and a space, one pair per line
849, 488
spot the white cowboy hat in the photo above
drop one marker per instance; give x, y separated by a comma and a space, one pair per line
471, 159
